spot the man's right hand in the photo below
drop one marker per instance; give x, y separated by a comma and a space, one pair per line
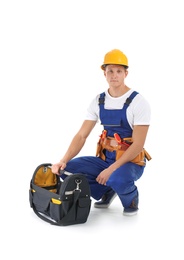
57, 166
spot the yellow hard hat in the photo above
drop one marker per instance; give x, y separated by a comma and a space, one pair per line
115, 57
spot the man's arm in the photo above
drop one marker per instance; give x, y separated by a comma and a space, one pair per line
76, 145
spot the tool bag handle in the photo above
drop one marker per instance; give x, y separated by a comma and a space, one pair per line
65, 172
62, 171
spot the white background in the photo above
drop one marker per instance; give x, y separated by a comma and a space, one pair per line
50, 57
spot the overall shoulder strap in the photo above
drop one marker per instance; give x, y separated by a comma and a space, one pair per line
130, 98
126, 104
101, 99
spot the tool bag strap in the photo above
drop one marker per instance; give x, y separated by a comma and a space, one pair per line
73, 207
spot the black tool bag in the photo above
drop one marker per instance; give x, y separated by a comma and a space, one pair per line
59, 201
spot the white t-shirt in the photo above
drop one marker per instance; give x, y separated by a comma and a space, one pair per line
138, 112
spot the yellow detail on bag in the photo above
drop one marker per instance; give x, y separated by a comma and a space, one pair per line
56, 201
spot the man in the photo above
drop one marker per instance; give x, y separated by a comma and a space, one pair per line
121, 158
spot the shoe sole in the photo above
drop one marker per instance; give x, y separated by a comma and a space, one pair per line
101, 206
130, 213
104, 206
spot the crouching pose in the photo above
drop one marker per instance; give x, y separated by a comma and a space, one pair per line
120, 158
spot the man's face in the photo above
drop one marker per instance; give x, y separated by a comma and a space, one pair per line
115, 75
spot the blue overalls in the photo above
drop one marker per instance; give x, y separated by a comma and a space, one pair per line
121, 180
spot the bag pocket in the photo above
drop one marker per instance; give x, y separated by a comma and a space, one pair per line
56, 209
41, 202
83, 209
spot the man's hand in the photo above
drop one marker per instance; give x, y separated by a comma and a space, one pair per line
57, 166
104, 176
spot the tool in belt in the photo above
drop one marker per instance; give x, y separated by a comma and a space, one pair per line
120, 146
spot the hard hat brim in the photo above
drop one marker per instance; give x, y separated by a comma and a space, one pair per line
104, 66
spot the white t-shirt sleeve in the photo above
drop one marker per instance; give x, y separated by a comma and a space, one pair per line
141, 112
93, 110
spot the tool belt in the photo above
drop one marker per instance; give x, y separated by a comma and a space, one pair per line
110, 144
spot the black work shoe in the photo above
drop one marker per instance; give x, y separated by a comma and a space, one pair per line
106, 200
132, 209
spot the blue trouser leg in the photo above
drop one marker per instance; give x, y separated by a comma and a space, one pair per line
91, 167
122, 181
